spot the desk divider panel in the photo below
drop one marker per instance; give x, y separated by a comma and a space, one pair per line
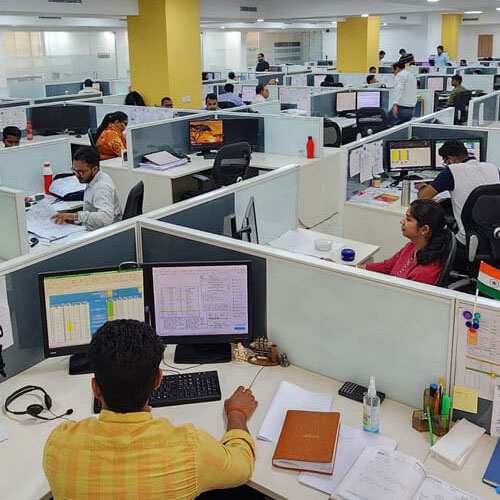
324, 104
478, 82
349, 328
14, 239
484, 110
21, 167
62, 98
23, 294
160, 246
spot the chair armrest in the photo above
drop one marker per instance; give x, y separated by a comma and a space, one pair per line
457, 285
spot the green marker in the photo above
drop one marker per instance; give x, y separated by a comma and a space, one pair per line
445, 413
429, 420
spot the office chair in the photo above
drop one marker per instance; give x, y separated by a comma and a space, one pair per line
444, 279
226, 104
332, 134
371, 120
462, 106
92, 138
331, 84
481, 220
496, 82
135, 198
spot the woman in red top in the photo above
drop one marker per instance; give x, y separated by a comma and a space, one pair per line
110, 138
422, 258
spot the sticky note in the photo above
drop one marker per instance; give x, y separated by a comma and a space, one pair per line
465, 399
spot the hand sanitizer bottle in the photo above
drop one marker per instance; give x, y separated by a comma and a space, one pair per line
371, 408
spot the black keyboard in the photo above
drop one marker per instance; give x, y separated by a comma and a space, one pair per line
184, 388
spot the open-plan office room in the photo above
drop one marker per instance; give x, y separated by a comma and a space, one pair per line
250, 251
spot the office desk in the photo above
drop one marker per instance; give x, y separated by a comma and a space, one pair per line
22, 476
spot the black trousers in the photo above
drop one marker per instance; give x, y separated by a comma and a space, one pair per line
241, 493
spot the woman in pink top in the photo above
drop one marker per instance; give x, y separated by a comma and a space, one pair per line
422, 258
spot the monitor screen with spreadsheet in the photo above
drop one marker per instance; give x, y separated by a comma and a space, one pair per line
409, 155
248, 93
76, 303
368, 99
435, 83
346, 101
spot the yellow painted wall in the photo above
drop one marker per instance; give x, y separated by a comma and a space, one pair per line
450, 29
164, 51
358, 44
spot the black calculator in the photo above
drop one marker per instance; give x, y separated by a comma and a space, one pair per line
354, 391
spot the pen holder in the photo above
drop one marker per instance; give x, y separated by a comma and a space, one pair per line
440, 424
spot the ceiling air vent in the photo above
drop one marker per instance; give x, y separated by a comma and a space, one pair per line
244, 8
49, 17
403, 18
470, 18
65, 1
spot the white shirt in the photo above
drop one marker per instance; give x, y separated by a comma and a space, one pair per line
441, 60
467, 177
405, 89
100, 203
88, 90
258, 99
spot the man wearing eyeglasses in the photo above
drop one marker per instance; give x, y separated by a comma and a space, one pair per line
100, 201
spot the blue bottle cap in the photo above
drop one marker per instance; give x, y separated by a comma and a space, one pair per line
348, 254
475, 325
468, 324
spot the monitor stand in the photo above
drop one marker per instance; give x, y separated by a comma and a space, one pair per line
202, 353
79, 364
208, 154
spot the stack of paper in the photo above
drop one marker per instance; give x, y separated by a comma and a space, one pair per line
303, 243
162, 160
290, 397
66, 185
39, 222
455, 447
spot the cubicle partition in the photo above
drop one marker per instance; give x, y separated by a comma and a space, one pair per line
14, 240
61, 88
66, 97
484, 110
106, 247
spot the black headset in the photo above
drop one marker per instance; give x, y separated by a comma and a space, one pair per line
34, 409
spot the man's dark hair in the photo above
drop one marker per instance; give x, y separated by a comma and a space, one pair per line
399, 65
87, 154
440, 47
372, 67
229, 87
231, 75
458, 78
11, 130
88, 83
259, 88
453, 148
381, 53
125, 355
369, 78
402, 51
210, 96
477, 72
261, 54
166, 98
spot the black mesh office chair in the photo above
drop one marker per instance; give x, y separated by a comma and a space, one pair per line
332, 134
371, 120
135, 198
444, 279
462, 100
92, 138
481, 220
226, 104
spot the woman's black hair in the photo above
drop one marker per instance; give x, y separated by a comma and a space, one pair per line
429, 213
110, 118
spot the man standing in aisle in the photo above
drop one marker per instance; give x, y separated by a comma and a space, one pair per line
406, 57
100, 201
262, 64
442, 58
405, 95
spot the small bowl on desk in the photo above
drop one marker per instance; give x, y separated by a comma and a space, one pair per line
323, 245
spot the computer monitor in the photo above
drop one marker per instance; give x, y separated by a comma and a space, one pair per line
96, 86
318, 80
369, 99
205, 135
238, 88
473, 148
435, 83
449, 86
201, 307
243, 130
248, 231
299, 80
77, 119
408, 155
248, 93
386, 79
47, 120
425, 63
346, 101
75, 304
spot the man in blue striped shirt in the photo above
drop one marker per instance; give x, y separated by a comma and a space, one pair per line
230, 96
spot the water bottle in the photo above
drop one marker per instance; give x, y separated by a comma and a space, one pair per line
371, 408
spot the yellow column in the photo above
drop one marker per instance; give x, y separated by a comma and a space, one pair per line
358, 44
164, 50
450, 29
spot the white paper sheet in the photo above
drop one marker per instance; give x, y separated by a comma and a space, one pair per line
6, 336
495, 416
39, 222
351, 444
14, 117
66, 185
301, 242
290, 397
366, 164
435, 489
354, 162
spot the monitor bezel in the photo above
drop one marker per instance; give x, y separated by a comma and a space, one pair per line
203, 147
407, 169
80, 348
199, 339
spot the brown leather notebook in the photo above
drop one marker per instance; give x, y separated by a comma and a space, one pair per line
308, 441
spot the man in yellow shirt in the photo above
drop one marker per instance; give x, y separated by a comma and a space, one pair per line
126, 453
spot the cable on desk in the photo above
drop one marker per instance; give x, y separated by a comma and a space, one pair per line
255, 378
178, 369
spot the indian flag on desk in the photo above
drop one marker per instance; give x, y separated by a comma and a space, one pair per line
488, 280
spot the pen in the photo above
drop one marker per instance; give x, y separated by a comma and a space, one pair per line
445, 412
431, 435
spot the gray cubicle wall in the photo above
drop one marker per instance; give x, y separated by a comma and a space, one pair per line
92, 123
24, 298
60, 88
265, 77
160, 247
62, 98
324, 104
